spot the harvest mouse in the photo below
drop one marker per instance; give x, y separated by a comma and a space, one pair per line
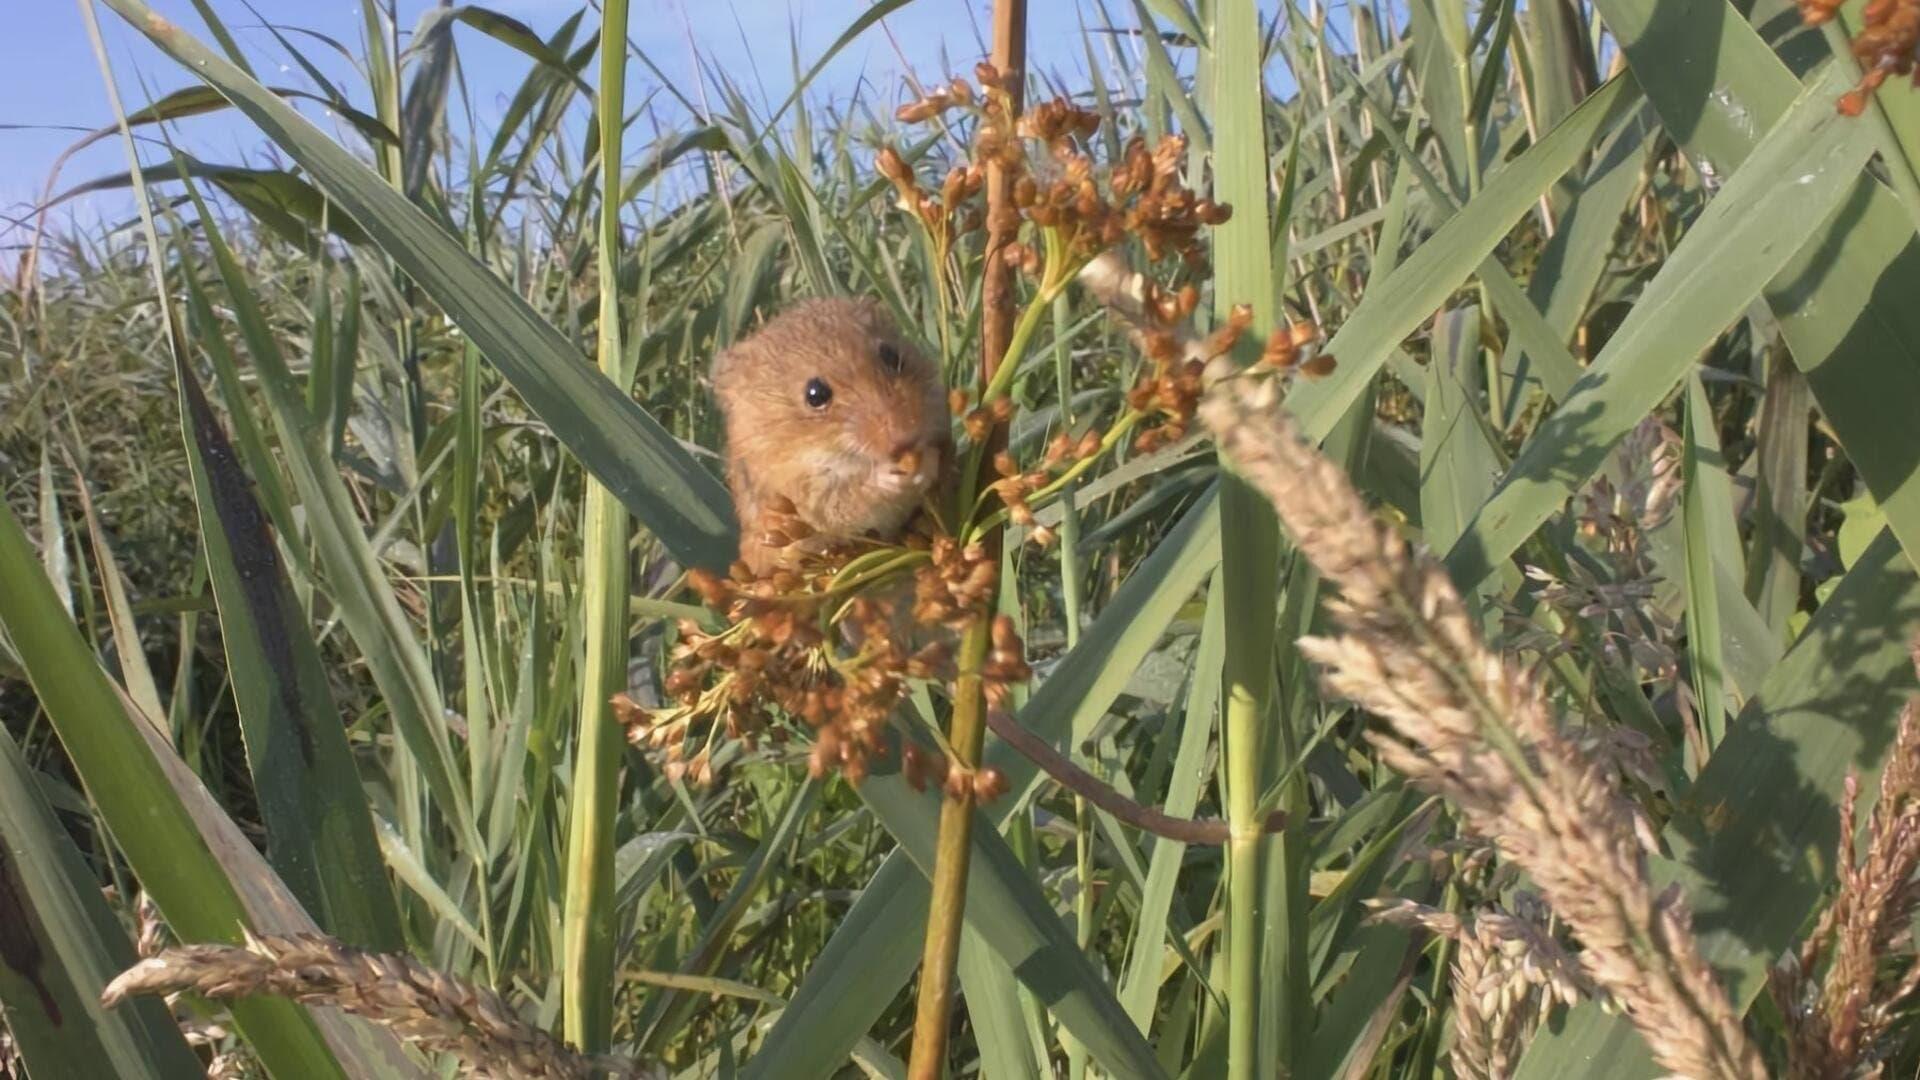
829, 406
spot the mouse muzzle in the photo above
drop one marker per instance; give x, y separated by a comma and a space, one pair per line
911, 471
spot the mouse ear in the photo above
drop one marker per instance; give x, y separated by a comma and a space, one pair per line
721, 372
876, 313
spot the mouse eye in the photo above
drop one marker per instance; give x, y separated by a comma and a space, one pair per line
890, 356
818, 393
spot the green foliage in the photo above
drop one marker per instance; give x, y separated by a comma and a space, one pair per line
330, 551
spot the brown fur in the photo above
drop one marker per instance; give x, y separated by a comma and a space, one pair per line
841, 465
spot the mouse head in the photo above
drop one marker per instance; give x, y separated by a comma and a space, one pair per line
831, 407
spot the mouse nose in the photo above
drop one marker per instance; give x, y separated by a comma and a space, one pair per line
904, 447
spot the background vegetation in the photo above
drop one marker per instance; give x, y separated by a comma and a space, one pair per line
313, 494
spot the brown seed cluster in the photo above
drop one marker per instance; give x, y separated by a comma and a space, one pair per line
1016, 486
1888, 43
833, 639
1181, 364
1845, 991
945, 215
1079, 208
1145, 195
1170, 387
1290, 348
980, 422
955, 586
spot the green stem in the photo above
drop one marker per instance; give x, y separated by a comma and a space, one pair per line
588, 915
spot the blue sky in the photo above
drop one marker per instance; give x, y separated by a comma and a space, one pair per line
54, 87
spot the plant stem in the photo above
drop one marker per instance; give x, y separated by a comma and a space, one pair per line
588, 923
1267, 970
966, 733
946, 917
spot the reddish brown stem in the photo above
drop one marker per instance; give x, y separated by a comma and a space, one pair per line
1083, 783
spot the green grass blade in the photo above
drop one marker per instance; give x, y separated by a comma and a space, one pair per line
1845, 307
1780, 497
356, 583
319, 830
129, 652
1392, 308
1457, 466
683, 503
62, 945
1140, 985
1572, 262
1706, 525
991, 995
1745, 235
166, 849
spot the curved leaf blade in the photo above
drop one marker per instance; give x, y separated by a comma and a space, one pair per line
636, 458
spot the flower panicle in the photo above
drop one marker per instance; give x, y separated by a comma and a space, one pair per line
1471, 725
1181, 364
1077, 207
1838, 991
437, 1011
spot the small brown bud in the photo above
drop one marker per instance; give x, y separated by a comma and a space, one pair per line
913, 767
979, 424
1320, 365
989, 784
892, 166
1058, 448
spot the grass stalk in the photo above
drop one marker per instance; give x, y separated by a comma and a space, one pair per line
966, 732
589, 922
1249, 566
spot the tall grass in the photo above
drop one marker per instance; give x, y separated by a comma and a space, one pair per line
342, 499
